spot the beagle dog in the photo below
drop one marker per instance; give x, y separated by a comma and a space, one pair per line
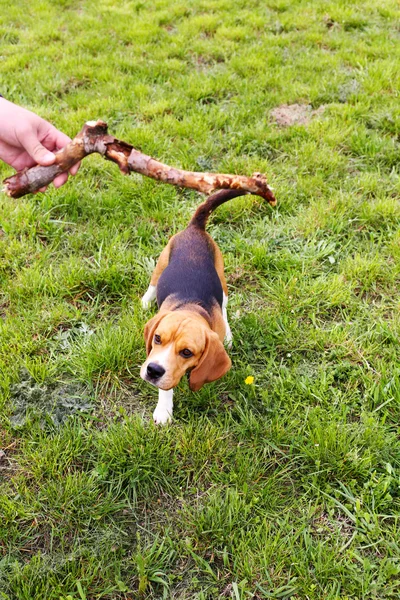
188, 332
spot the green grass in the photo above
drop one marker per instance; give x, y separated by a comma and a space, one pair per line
287, 488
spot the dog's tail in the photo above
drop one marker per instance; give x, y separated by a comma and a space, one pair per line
201, 215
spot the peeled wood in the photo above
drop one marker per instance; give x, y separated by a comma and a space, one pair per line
94, 138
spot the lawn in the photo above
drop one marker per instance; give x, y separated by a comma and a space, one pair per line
287, 487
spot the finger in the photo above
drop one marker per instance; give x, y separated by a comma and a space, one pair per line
36, 150
42, 190
73, 170
22, 161
60, 180
60, 139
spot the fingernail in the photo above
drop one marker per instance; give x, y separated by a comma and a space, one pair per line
48, 157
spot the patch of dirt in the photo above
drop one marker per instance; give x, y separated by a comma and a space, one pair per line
55, 401
3, 309
323, 525
295, 114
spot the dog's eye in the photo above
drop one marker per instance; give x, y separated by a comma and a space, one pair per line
157, 339
186, 353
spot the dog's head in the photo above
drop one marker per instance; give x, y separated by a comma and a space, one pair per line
177, 342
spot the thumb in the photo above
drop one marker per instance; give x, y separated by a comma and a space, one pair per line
36, 150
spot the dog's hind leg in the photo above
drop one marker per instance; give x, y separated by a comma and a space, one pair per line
228, 332
149, 296
219, 267
162, 263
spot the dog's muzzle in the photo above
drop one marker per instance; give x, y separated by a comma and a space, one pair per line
154, 371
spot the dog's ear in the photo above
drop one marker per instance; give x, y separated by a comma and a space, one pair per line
213, 364
149, 330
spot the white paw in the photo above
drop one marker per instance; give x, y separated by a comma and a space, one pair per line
149, 296
161, 416
228, 337
146, 303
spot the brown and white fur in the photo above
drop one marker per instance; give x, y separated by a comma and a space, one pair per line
188, 332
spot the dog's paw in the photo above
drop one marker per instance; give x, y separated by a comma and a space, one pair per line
146, 303
149, 297
228, 338
161, 416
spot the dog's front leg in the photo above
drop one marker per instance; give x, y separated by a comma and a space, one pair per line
163, 410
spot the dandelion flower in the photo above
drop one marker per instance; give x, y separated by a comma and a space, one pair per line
249, 380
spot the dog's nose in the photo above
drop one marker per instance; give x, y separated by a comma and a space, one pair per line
155, 371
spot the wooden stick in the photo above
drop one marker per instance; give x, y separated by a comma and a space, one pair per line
94, 137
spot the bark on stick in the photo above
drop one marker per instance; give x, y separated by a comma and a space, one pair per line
94, 137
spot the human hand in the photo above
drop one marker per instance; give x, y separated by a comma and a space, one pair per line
26, 140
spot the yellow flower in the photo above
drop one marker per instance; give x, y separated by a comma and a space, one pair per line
249, 380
